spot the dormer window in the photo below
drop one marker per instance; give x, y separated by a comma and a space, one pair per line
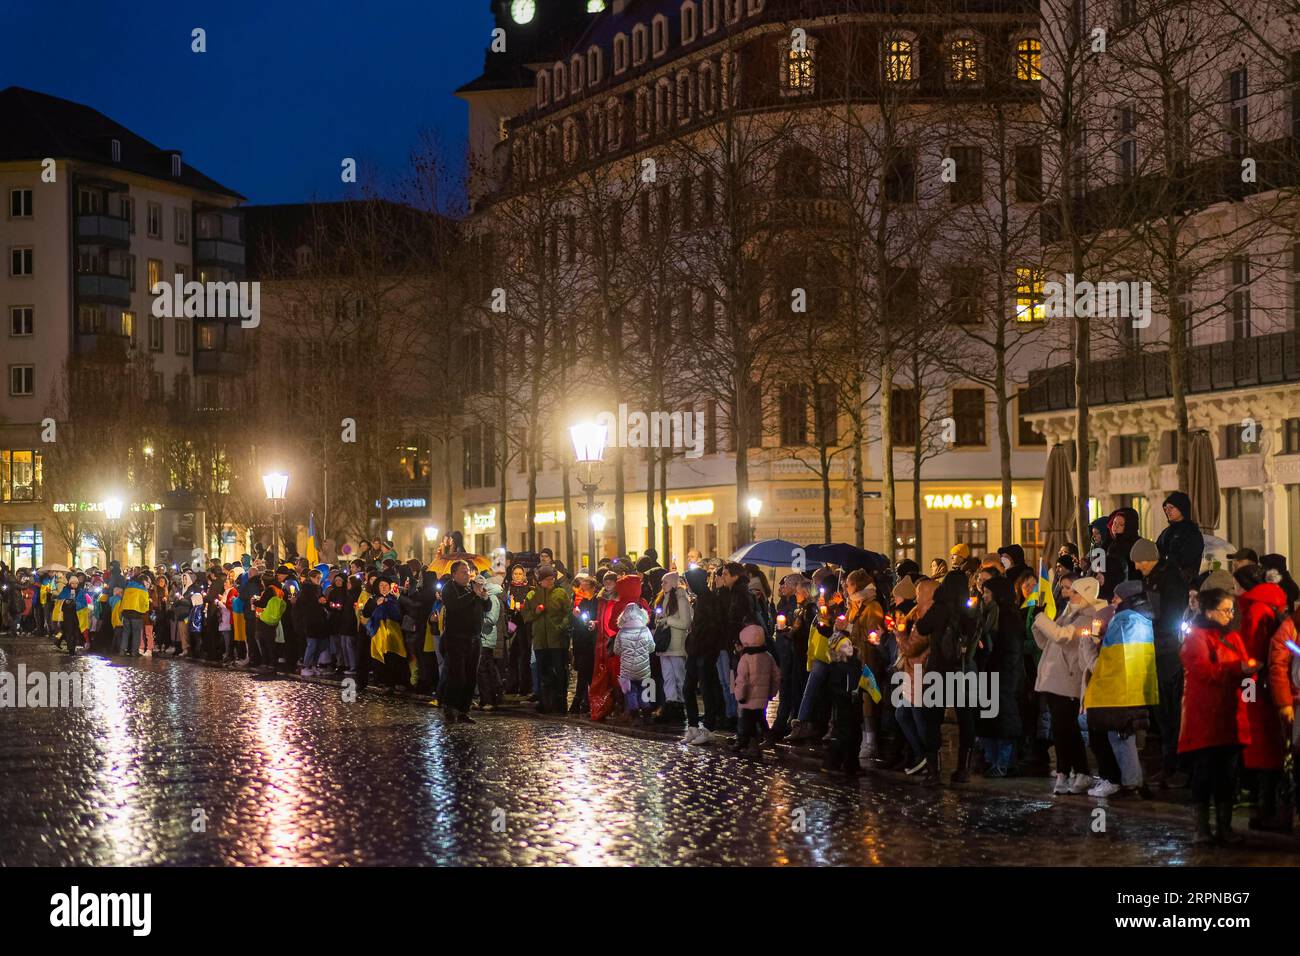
595, 66
900, 58
561, 84
733, 10
620, 53
116, 150
964, 60
709, 16
690, 22
576, 70
640, 43
659, 25
176, 165
543, 88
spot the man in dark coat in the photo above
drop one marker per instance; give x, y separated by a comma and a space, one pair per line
1166, 594
465, 602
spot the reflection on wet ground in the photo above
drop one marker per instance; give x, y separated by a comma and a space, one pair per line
183, 764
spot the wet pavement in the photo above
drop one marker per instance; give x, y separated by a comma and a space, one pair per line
178, 763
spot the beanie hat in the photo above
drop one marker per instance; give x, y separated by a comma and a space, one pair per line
751, 635
1143, 549
960, 551
1127, 589
1087, 588
1220, 579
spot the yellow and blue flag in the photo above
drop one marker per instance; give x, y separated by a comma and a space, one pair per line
1125, 672
313, 557
1043, 597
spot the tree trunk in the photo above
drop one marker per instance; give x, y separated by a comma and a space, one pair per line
568, 518
666, 554
620, 502
650, 484
887, 454
1004, 445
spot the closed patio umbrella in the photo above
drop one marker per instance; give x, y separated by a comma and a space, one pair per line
1056, 515
1203, 482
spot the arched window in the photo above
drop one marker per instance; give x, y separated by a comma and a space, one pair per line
798, 174
642, 118
560, 82
705, 91
899, 56
620, 53
659, 28
798, 67
572, 140
613, 124
684, 97
640, 44
1029, 58
552, 148
733, 10
663, 103
577, 69
595, 66
595, 131
689, 22
543, 88
709, 16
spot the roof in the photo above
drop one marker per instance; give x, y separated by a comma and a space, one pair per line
37, 125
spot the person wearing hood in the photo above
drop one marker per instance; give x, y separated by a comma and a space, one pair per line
1215, 726
866, 626
949, 627
1002, 643
1123, 528
342, 620
1012, 557
464, 602
1060, 680
704, 641
757, 681
673, 610
134, 608
1099, 541
518, 676
1167, 588
792, 650
633, 645
586, 617
1182, 543
1262, 607
1275, 570
492, 637
1119, 660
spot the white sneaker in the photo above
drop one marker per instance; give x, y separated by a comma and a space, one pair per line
1061, 785
1081, 783
689, 736
704, 737
917, 769
1103, 788
308, 672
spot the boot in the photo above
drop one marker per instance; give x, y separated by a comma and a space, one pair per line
1223, 817
962, 773
932, 777
1204, 835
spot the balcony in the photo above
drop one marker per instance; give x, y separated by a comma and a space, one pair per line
1214, 367
808, 213
218, 363
104, 231
222, 253
105, 288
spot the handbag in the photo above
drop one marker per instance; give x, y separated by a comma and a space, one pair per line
663, 637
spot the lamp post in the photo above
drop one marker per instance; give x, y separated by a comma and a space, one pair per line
430, 542
112, 515
755, 506
588, 452
277, 485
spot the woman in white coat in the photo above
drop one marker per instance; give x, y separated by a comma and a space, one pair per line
1060, 680
673, 609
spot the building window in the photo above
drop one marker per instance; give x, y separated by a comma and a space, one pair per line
22, 379
620, 53
126, 209
968, 414
1291, 436
900, 176
1029, 174
182, 224
155, 333
1029, 59
576, 70
684, 96
1234, 444
968, 171
900, 59
20, 261
1245, 516
1132, 450
709, 16
705, 89
904, 539
21, 320
1128, 143
20, 203
1025, 434
90, 320
1031, 542
974, 533
798, 68
153, 220
559, 83
642, 118
20, 475
663, 103
1238, 116
128, 325
794, 415
154, 269
964, 296
827, 414
595, 65
904, 421
659, 27
689, 22
732, 10
640, 44
182, 336
1030, 298
963, 60
88, 202
1239, 297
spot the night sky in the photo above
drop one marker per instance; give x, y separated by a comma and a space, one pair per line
284, 91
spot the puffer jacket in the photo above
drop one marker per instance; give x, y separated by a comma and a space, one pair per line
1060, 670
549, 611
633, 644
492, 616
758, 678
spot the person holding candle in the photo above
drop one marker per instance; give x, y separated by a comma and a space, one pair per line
1284, 689
548, 608
586, 607
818, 659
675, 609
792, 650
757, 681
1001, 644
1263, 609
1215, 726
866, 622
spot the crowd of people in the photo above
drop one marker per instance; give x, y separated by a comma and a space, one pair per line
1080, 661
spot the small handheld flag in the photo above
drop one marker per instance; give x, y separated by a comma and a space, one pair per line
313, 558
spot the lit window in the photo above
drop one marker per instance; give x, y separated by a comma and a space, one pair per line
963, 61
899, 66
1029, 59
1029, 296
799, 70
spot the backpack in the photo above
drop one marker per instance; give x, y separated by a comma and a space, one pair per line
273, 611
196, 619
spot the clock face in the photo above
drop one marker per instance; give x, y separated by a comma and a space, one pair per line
523, 10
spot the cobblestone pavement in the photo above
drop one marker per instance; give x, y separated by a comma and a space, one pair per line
178, 763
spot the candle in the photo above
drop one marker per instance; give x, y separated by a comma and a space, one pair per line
780, 622
873, 637
1096, 624
970, 602
1251, 662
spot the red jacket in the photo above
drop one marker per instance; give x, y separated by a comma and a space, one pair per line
1214, 714
1280, 688
1261, 608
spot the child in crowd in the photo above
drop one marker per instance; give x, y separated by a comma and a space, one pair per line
756, 682
633, 645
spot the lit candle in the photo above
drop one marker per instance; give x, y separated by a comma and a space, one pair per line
1096, 624
780, 622
1251, 662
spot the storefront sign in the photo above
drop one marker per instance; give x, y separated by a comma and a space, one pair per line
964, 502
404, 504
69, 506
481, 520
549, 517
688, 509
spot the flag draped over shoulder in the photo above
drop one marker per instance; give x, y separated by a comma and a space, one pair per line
1125, 672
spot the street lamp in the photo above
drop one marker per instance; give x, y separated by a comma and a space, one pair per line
113, 514
430, 540
588, 451
755, 506
277, 486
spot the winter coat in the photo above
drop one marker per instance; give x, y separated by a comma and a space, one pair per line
583, 633
1182, 542
1118, 565
947, 613
1060, 671
738, 609
679, 623
757, 679
310, 617
492, 614
338, 609
706, 635
633, 644
1214, 714
463, 617
1122, 682
1262, 609
1166, 590
1284, 666
1002, 655
549, 610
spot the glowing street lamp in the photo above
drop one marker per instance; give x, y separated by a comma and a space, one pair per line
588, 451
113, 514
277, 487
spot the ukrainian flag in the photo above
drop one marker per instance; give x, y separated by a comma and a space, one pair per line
1125, 672
135, 597
1043, 596
313, 557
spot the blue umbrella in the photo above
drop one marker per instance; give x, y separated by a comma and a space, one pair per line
772, 552
846, 556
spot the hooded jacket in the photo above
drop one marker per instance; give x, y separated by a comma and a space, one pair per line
679, 622
1182, 543
1214, 713
1118, 566
633, 643
492, 614
1263, 610
947, 612
757, 678
1060, 670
